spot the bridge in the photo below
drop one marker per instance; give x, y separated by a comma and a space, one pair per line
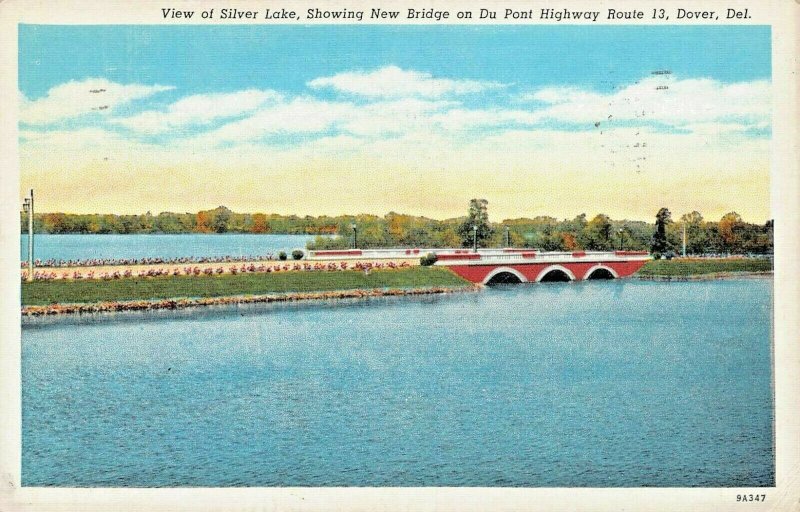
524, 266
511, 265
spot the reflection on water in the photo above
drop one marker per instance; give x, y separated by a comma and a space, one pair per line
605, 383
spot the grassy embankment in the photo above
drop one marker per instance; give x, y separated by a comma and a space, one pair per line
226, 285
691, 267
40, 293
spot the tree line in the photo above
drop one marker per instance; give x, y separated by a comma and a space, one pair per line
728, 235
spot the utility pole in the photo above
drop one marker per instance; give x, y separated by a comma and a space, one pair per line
27, 206
684, 239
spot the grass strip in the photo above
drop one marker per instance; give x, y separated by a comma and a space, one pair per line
169, 287
697, 266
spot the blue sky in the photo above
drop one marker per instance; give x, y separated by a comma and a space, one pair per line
399, 109
204, 59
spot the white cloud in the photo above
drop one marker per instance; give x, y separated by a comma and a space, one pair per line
198, 109
70, 141
701, 106
554, 95
719, 128
393, 117
298, 116
679, 103
467, 119
393, 82
78, 98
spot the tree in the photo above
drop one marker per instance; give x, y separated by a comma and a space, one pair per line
259, 223
696, 234
398, 228
730, 227
598, 233
568, 242
166, 222
659, 244
202, 222
220, 217
53, 223
477, 216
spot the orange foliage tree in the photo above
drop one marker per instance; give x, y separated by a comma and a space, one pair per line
203, 224
259, 223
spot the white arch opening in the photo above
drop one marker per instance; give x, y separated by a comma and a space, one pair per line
500, 270
555, 267
598, 267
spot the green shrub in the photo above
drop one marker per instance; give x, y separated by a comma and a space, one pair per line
282, 256
428, 260
297, 254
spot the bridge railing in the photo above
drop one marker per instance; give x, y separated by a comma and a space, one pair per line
452, 254
543, 257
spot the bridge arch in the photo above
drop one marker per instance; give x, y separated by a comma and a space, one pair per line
602, 268
558, 268
507, 270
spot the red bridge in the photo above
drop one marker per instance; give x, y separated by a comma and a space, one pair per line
496, 266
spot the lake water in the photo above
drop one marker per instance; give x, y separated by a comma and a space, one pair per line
81, 247
616, 383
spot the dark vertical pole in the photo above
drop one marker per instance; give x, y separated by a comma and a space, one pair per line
30, 238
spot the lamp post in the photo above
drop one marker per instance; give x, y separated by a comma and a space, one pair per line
27, 206
355, 233
508, 238
621, 232
475, 238
684, 239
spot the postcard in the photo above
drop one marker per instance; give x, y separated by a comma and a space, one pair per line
399, 256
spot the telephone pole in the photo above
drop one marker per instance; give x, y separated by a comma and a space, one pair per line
27, 206
684, 239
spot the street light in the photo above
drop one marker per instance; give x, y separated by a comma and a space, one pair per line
621, 232
355, 233
27, 206
684, 238
475, 238
508, 238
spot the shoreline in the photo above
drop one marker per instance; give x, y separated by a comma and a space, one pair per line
186, 302
59, 309
713, 276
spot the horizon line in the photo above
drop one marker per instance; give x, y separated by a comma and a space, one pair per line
588, 216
